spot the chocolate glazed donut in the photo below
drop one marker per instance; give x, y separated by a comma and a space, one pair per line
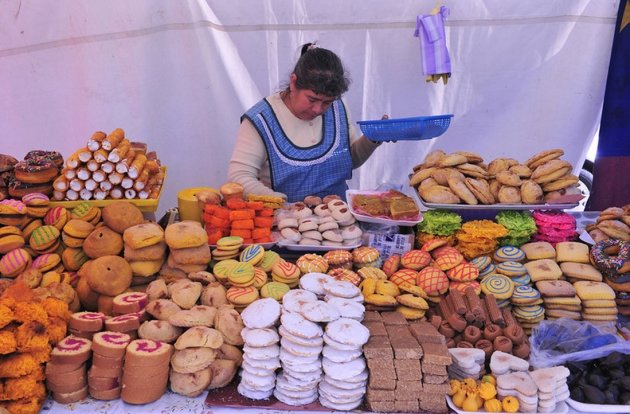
35, 171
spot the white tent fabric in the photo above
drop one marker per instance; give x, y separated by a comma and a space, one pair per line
527, 76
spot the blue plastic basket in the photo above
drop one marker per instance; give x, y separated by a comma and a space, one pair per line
415, 128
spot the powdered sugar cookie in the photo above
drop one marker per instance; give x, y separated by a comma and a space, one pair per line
291, 362
349, 384
314, 282
294, 298
262, 313
338, 345
267, 364
291, 234
262, 352
348, 331
343, 370
289, 385
260, 337
339, 406
358, 298
322, 210
312, 234
258, 382
348, 308
336, 393
253, 394
319, 311
288, 222
300, 350
256, 371
341, 289
318, 341
337, 355
305, 241
308, 379
333, 235
351, 232
295, 324
294, 401
308, 224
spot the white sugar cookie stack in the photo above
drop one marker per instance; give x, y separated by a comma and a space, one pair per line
345, 374
261, 350
300, 349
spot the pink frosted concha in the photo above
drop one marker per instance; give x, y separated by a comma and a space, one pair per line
34, 199
17, 205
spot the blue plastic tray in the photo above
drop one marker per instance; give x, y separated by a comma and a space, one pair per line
415, 128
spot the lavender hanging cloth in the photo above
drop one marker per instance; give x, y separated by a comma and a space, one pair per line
436, 62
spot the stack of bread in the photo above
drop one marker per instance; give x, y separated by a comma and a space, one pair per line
144, 248
145, 371
66, 371
110, 166
462, 177
105, 373
188, 247
612, 223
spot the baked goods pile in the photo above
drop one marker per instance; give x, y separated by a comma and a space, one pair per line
6, 174
612, 223
463, 177
29, 327
227, 213
511, 387
110, 166
320, 339
326, 222
407, 363
391, 204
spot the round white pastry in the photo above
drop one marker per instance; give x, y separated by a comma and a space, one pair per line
262, 352
312, 234
308, 225
266, 364
287, 222
343, 370
337, 355
348, 331
300, 350
348, 308
333, 235
322, 210
329, 225
341, 289
294, 401
305, 241
319, 311
252, 394
295, 324
260, 337
351, 232
294, 298
261, 313
337, 205
314, 282
310, 342
291, 234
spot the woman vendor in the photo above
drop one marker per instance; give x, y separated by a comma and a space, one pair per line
299, 142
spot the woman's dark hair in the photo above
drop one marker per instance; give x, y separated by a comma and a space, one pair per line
321, 71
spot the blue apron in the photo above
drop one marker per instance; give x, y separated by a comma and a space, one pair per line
298, 172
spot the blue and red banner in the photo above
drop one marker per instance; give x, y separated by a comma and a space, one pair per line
611, 173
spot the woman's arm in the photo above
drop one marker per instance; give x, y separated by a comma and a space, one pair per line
247, 160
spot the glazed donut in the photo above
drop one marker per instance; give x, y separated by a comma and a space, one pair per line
52, 156
610, 265
35, 171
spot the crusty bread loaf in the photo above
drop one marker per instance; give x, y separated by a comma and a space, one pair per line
145, 352
86, 321
129, 302
71, 350
70, 397
110, 344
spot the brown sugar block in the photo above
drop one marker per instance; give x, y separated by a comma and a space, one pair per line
398, 331
372, 316
404, 346
393, 318
435, 379
436, 354
381, 369
377, 383
377, 328
425, 332
433, 369
443, 388
381, 406
408, 406
408, 390
433, 402
378, 347
408, 369
379, 395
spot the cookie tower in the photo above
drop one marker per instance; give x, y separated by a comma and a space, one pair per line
105, 374
65, 373
145, 371
261, 350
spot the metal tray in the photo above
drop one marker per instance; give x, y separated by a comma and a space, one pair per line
309, 248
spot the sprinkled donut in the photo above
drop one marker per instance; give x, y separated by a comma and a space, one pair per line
606, 263
35, 171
